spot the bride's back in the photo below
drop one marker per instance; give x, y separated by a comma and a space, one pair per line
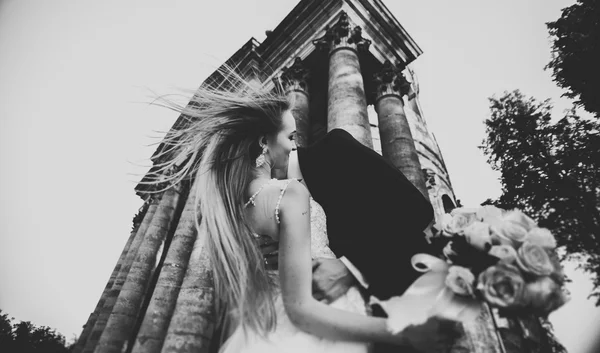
262, 208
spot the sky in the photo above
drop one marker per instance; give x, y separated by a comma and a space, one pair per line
76, 129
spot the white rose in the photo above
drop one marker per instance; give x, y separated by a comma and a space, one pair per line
503, 252
508, 233
489, 214
478, 235
460, 280
535, 260
502, 285
541, 237
519, 218
458, 222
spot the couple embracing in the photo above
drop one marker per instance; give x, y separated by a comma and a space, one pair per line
285, 282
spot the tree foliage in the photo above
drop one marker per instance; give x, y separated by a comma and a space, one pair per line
550, 170
551, 343
576, 53
25, 337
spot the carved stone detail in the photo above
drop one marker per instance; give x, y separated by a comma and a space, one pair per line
390, 81
162, 183
340, 35
167, 180
295, 77
356, 38
154, 198
430, 179
139, 217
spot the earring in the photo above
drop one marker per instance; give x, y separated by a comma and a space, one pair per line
260, 160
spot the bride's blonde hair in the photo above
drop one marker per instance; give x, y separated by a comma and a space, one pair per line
218, 144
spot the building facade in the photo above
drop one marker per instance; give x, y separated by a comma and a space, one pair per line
344, 64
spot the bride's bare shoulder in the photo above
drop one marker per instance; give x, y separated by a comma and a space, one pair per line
286, 192
294, 188
294, 196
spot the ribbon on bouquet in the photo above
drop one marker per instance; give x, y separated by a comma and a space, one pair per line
428, 296
426, 263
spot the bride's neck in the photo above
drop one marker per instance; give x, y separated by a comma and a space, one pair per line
264, 172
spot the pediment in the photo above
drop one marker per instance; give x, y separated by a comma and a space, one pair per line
294, 36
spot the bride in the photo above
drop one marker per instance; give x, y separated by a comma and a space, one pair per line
233, 141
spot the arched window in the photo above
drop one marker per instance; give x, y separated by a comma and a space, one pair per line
448, 204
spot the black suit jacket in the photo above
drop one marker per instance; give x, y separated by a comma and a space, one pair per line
375, 215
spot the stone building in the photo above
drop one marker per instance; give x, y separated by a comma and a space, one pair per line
345, 64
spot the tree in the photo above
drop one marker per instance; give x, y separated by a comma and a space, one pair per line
6, 334
551, 343
550, 171
25, 337
576, 53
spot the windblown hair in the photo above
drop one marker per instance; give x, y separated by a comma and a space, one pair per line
217, 146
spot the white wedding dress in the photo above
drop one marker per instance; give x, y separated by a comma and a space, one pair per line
287, 338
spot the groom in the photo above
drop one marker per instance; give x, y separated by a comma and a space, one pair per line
375, 222
375, 216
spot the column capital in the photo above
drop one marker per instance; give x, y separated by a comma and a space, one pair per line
295, 77
139, 216
154, 197
175, 183
162, 182
431, 183
390, 81
342, 36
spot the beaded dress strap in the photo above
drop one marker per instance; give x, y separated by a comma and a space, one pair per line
252, 199
283, 188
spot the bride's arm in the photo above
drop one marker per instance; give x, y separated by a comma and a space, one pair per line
295, 268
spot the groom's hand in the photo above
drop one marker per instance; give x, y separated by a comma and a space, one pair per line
331, 279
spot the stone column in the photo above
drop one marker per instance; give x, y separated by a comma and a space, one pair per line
111, 298
121, 322
294, 82
347, 103
397, 144
153, 329
87, 328
193, 324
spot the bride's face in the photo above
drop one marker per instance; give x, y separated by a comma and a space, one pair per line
282, 143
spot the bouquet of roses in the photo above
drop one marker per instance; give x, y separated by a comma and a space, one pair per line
491, 255
503, 258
